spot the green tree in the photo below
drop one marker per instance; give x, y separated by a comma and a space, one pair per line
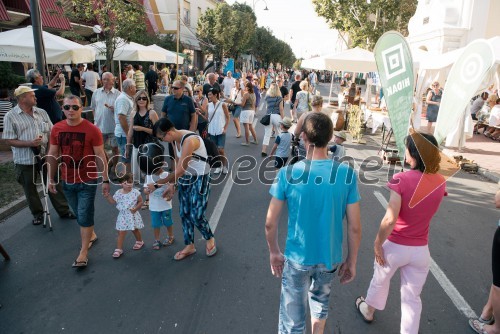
365, 21
269, 49
120, 20
226, 31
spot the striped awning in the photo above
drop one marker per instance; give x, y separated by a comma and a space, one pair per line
52, 15
3, 13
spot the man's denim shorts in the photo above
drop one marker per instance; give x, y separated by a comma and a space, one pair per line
81, 198
299, 282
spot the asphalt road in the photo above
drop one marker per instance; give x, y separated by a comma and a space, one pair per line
234, 292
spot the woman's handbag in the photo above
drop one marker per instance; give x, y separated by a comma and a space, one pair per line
266, 120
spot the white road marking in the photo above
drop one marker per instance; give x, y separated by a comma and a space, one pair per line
445, 283
221, 203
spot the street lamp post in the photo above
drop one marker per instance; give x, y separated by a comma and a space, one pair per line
37, 37
254, 2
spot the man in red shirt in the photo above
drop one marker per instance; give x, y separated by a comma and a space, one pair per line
80, 146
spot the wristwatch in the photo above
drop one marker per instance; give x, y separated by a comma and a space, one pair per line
105, 181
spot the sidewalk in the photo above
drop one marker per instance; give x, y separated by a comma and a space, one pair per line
5, 156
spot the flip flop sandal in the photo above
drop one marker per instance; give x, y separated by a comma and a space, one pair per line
477, 326
117, 253
489, 321
182, 255
156, 245
80, 264
211, 251
358, 302
138, 245
91, 242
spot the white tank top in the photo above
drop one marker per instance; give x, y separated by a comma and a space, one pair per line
195, 166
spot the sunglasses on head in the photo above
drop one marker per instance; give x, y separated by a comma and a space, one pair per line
142, 98
68, 107
175, 88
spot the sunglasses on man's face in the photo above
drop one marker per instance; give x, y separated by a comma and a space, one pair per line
142, 98
68, 107
175, 88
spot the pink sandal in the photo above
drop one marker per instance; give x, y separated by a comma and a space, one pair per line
138, 245
117, 253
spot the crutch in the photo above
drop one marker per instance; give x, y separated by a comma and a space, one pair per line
45, 189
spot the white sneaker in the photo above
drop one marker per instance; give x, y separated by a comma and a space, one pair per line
217, 170
224, 170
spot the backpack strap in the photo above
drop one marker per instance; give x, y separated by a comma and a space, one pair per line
197, 156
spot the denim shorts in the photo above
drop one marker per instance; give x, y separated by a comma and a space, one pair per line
237, 111
122, 145
80, 198
219, 140
161, 218
299, 282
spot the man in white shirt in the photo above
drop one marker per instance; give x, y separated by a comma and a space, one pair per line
123, 110
103, 101
228, 84
91, 80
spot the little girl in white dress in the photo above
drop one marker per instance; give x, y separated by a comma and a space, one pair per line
128, 201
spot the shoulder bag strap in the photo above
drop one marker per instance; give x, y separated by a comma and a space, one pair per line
216, 107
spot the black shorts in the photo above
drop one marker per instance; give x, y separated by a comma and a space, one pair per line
280, 162
495, 258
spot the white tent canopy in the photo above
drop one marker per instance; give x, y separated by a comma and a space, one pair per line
171, 57
352, 60
18, 46
129, 52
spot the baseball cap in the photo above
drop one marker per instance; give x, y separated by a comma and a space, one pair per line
22, 89
340, 134
287, 122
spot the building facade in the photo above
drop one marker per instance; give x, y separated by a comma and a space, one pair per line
162, 15
445, 25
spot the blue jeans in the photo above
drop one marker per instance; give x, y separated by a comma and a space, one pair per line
297, 283
122, 146
80, 198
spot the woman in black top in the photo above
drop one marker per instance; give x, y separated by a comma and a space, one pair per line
141, 128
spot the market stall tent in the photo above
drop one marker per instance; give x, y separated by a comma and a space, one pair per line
18, 46
129, 52
170, 57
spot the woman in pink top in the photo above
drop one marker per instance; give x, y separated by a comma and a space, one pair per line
402, 240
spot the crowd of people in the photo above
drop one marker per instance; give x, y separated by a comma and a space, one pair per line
197, 111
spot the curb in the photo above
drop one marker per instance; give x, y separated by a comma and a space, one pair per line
14, 207
491, 176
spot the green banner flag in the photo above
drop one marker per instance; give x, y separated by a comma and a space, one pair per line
462, 83
395, 69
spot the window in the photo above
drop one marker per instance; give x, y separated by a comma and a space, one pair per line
186, 13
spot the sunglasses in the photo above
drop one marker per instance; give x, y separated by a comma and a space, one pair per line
142, 98
74, 107
175, 88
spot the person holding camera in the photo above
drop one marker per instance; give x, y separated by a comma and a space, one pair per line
46, 94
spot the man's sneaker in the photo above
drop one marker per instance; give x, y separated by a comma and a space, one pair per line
217, 170
225, 170
273, 135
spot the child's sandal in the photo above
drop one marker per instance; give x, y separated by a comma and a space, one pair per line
168, 241
156, 245
117, 253
138, 245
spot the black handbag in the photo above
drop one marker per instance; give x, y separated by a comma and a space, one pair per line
266, 120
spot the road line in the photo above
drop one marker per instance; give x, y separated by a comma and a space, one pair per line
221, 203
445, 283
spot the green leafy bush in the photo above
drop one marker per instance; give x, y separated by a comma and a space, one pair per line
10, 80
